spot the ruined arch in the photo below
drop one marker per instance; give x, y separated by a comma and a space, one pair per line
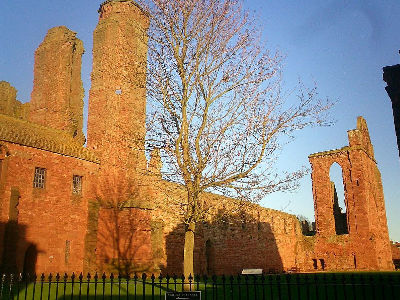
339, 198
324, 190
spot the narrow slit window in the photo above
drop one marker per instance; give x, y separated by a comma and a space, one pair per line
39, 179
315, 264
322, 261
77, 184
67, 251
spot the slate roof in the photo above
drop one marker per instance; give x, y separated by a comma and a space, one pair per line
28, 134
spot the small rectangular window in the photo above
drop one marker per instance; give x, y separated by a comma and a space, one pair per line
39, 178
77, 184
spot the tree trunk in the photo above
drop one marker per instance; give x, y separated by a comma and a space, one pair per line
188, 253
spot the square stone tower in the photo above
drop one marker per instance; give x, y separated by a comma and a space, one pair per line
117, 99
57, 95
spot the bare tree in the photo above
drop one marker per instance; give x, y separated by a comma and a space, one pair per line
220, 115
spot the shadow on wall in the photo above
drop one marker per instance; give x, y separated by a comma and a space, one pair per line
124, 241
18, 254
227, 245
119, 235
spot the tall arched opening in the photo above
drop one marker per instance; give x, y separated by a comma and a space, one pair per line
338, 198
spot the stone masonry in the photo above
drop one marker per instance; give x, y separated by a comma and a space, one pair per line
67, 207
366, 217
117, 99
9, 105
57, 96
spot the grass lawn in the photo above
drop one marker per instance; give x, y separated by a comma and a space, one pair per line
299, 286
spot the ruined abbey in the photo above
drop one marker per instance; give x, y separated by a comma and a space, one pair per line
67, 206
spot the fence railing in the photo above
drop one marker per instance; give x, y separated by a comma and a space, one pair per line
279, 286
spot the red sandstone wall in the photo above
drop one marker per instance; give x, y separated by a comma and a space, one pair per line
49, 217
124, 241
231, 238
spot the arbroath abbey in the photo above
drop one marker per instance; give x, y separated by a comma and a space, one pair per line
70, 207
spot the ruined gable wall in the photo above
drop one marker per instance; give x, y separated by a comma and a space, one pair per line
57, 95
367, 244
44, 219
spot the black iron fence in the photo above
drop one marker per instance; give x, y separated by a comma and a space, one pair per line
385, 285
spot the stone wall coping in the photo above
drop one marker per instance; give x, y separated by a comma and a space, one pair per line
329, 152
336, 151
132, 1
33, 135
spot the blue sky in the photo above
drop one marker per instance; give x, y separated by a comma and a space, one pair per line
340, 45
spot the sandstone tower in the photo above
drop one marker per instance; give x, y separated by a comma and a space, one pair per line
364, 244
57, 96
117, 99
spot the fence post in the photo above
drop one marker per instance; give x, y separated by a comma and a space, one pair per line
335, 286
50, 278
215, 287
103, 277
3, 278
231, 279
279, 286
88, 285
119, 286
223, 286
197, 281
111, 284
72, 285
135, 279
80, 285
10, 294
127, 287
65, 284
183, 282
239, 287
160, 278
57, 282
190, 281
364, 286
307, 286
152, 285
18, 283
167, 278
144, 276
289, 286
96, 277
262, 285
41, 285
205, 287
270, 286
